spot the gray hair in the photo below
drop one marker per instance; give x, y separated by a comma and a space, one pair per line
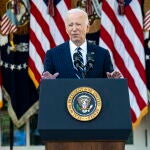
75, 10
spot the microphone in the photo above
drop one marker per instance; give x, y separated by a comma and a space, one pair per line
76, 59
90, 60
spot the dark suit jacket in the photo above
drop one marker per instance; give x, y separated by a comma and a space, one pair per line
59, 60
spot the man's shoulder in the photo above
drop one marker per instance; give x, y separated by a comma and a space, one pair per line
58, 47
97, 48
65, 44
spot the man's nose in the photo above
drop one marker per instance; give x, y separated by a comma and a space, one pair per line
74, 27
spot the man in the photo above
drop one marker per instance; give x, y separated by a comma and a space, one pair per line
69, 60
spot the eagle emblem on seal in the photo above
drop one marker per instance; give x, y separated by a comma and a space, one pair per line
84, 103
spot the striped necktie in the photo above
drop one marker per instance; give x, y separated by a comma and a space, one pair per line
80, 56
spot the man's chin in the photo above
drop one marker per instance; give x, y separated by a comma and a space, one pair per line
76, 42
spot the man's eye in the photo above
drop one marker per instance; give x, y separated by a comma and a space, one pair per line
70, 25
78, 24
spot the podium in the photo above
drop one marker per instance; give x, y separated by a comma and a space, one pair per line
109, 130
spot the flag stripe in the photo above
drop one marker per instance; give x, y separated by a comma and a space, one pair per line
147, 21
38, 48
134, 21
5, 22
133, 116
37, 76
7, 25
147, 18
124, 54
53, 27
121, 65
40, 36
60, 24
41, 21
128, 44
123, 37
45, 33
134, 104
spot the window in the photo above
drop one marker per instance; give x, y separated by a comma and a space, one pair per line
25, 136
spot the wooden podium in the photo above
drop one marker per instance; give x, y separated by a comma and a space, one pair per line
108, 131
99, 145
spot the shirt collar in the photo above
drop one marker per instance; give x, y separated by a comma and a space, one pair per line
73, 47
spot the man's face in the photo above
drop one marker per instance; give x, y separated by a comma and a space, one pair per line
77, 28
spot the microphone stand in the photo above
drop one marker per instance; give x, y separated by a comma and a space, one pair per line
90, 61
85, 69
83, 72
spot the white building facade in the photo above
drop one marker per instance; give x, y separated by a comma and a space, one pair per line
27, 138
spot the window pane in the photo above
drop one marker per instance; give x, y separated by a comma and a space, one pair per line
19, 137
19, 134
4, 123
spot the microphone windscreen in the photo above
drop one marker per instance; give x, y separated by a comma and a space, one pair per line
90, 58
76, 60
75, 56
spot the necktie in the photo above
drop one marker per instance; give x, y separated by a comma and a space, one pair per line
80, 56
79, 71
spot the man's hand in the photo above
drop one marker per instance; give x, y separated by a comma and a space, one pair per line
47, 75
114, 74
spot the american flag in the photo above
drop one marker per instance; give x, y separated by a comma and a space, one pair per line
46, 32
8, 23
147, 21
123, 36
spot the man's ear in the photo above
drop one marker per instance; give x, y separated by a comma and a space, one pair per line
66, 29
88, 28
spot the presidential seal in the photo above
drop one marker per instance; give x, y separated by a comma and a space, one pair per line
84, 103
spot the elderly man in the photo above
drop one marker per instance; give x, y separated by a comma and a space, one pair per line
77, 58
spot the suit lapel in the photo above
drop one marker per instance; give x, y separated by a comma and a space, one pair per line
67, 55
90, 48
68, 60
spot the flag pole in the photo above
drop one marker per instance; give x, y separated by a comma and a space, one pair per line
11, 134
